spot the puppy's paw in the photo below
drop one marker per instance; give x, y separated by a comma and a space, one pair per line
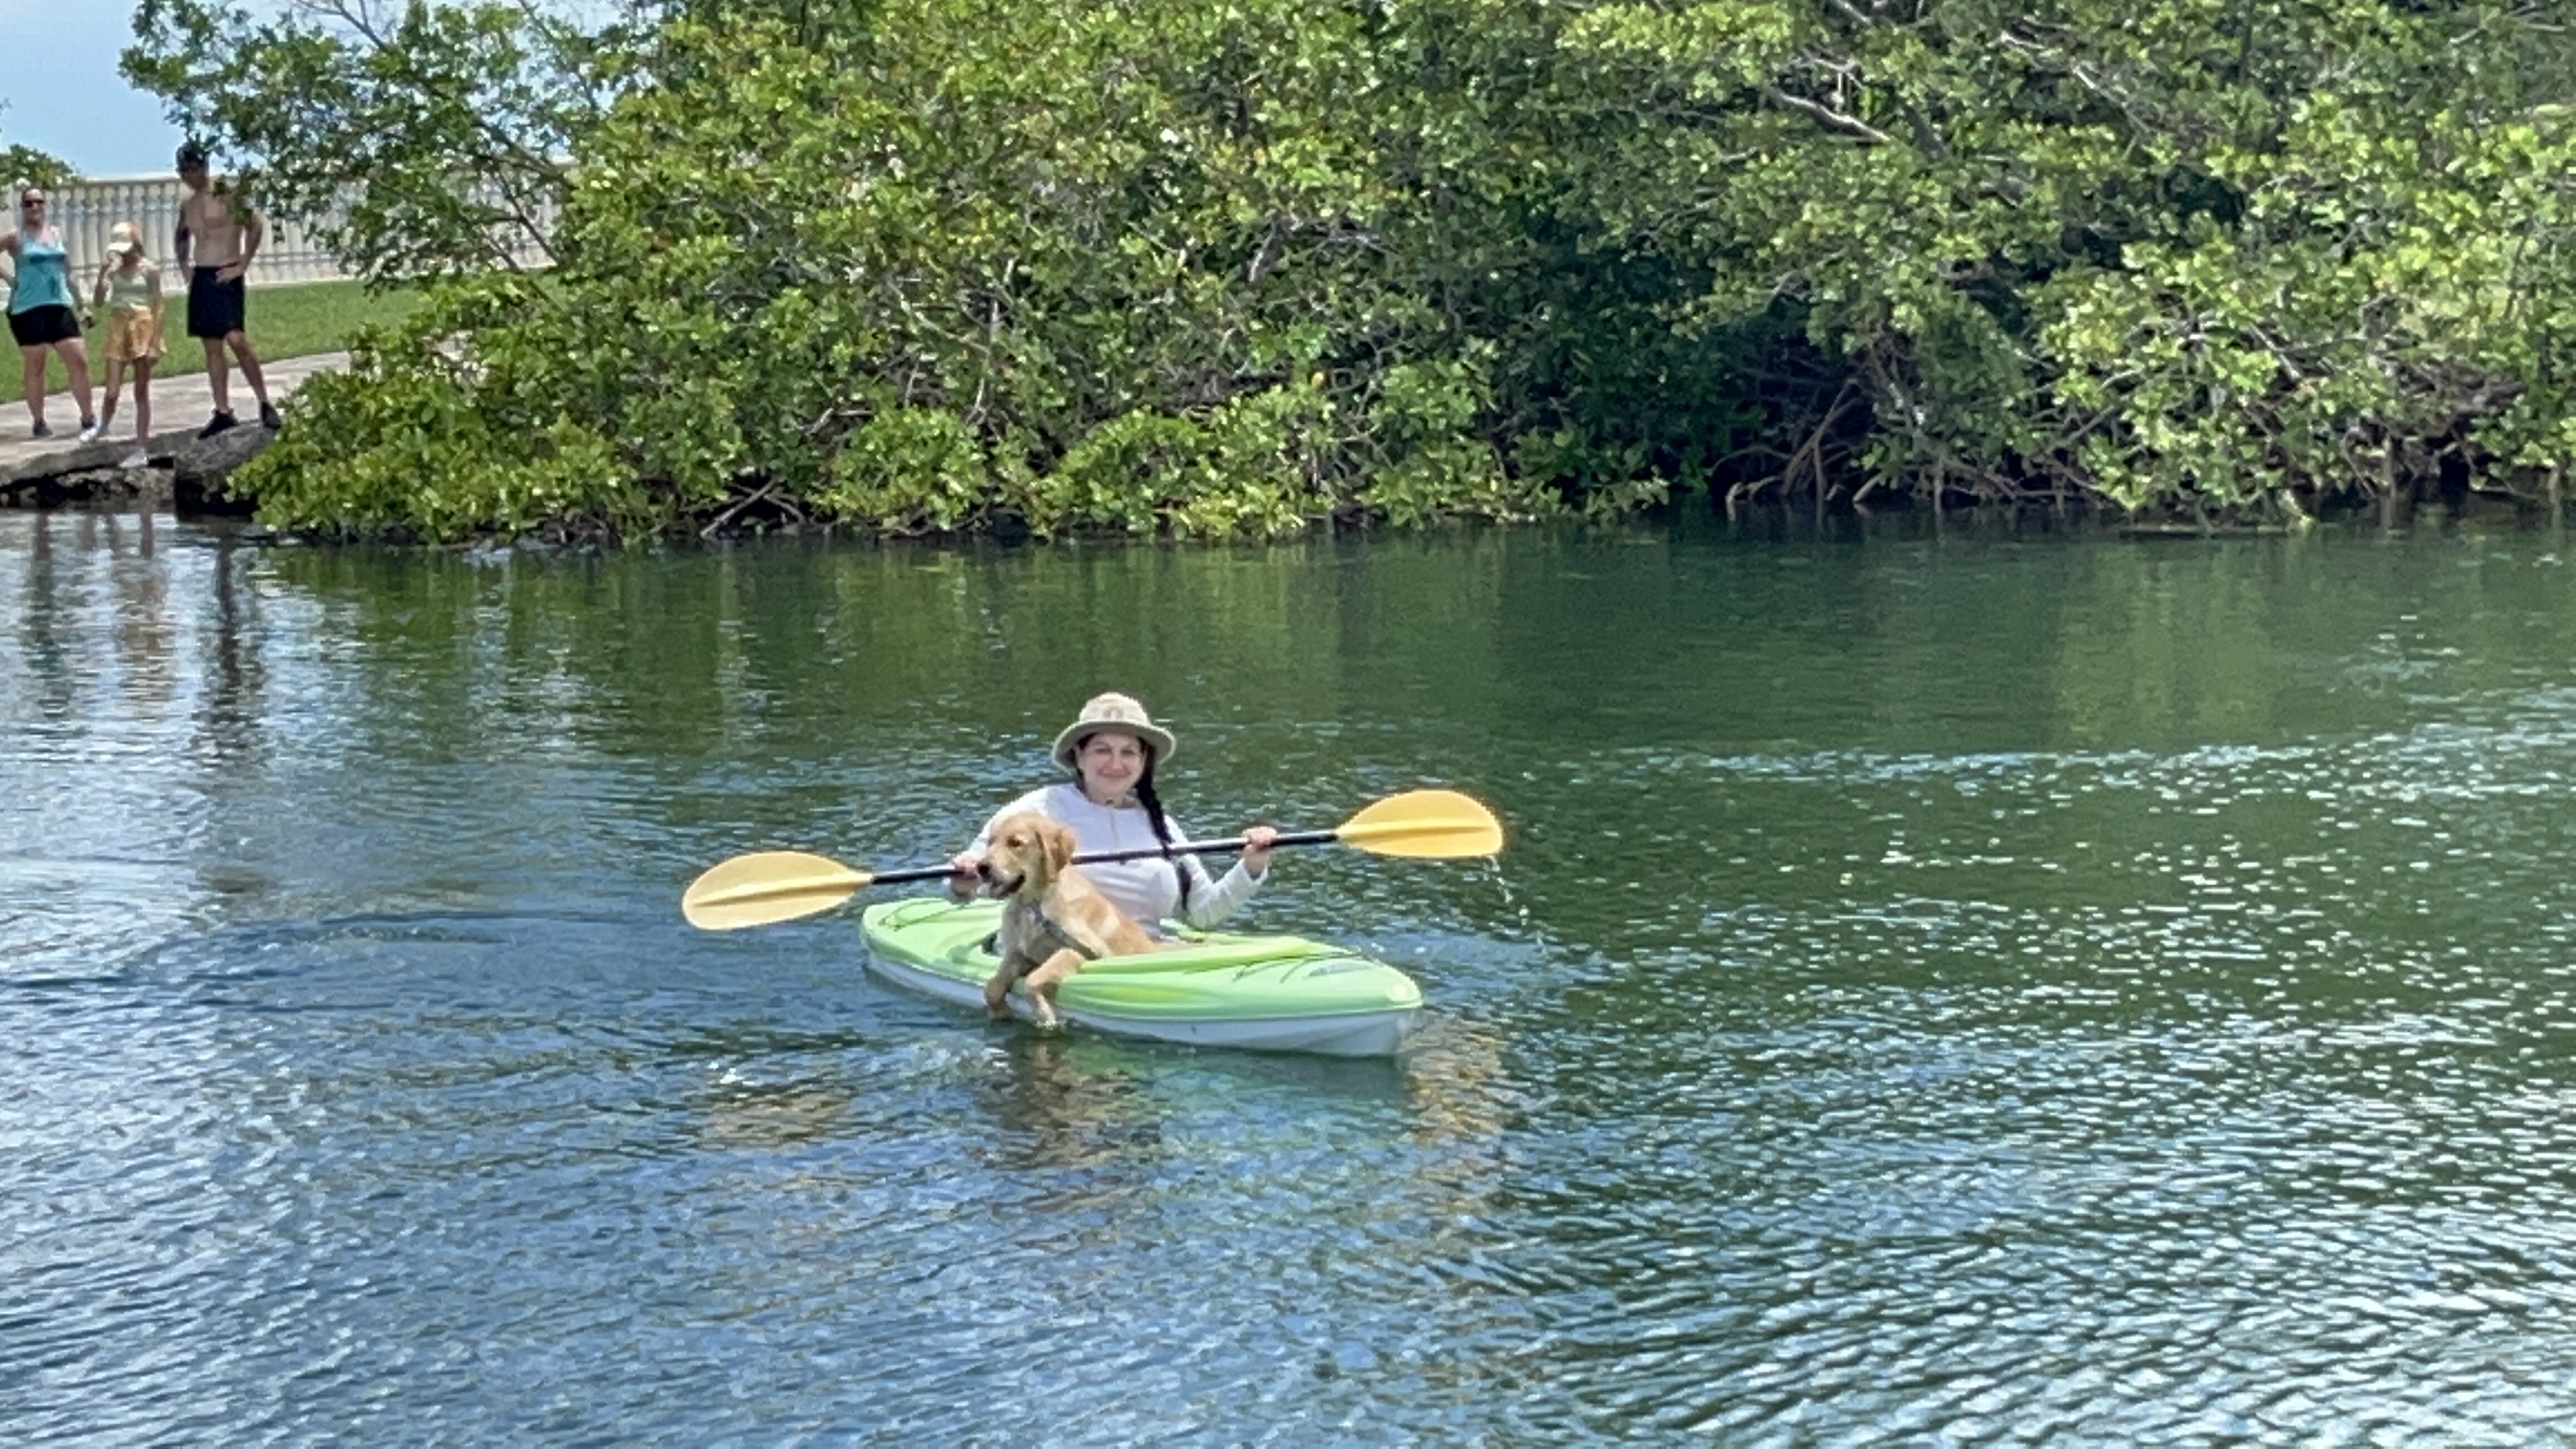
997, 999
1042, 1014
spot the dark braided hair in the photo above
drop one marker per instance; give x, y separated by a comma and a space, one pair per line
1153, 804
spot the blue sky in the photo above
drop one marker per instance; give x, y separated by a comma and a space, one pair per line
58, 74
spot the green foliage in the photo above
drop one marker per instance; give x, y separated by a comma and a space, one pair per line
911, 470
418, 139
2180, 254
401, 445
1171, 267
1074, 270
27, 166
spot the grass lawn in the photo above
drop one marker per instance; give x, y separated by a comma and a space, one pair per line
296, 320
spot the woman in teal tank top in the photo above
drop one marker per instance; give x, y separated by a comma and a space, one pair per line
42, 310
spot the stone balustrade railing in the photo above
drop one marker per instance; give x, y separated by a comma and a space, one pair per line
86, 209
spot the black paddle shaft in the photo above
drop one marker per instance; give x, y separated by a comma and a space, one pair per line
916, 872
1104, 857
1198, 847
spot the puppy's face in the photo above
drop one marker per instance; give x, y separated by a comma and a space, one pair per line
1028, 852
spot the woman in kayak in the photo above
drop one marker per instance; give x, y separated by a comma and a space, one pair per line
1112, 748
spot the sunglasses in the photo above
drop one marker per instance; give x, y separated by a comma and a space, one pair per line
31, 201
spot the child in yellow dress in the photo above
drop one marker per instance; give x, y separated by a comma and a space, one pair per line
129, 287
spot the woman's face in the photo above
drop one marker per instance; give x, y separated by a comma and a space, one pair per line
1110, 763
31, 208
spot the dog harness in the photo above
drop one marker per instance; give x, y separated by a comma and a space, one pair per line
1047, 925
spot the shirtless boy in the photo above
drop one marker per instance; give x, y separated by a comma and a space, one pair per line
218, 235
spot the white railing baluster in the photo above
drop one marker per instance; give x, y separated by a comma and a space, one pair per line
87, 209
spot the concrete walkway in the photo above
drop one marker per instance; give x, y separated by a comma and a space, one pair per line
182, 400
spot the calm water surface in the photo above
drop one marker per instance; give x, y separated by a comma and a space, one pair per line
1968, 989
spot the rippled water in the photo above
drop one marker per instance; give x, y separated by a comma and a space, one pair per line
1966, 989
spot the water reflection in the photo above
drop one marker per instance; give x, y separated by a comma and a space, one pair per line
39, 629
745, 1116
228, 720
1071, 1112
1941, 989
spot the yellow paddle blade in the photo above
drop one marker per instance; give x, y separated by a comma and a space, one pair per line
1425, 825
771, 885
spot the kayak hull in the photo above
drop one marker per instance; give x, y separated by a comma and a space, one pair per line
1260, 993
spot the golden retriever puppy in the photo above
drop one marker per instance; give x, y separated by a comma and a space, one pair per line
1054, 919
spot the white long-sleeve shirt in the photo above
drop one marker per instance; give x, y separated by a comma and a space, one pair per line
1145, 889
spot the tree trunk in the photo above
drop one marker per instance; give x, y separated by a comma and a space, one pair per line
2396, 497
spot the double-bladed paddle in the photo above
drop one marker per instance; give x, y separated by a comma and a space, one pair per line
782, 885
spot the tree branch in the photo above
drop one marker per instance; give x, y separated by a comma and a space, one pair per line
1828, 117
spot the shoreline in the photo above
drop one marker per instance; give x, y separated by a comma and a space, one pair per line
61, 472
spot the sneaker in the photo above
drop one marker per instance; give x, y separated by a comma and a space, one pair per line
136, 459
89, 430
268, 417
40, 430
219, 423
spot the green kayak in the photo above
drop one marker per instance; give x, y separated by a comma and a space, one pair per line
1269, 993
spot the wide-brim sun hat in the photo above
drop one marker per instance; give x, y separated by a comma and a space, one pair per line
1112, 712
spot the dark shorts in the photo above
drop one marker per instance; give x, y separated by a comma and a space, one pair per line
214, 308
39, 325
